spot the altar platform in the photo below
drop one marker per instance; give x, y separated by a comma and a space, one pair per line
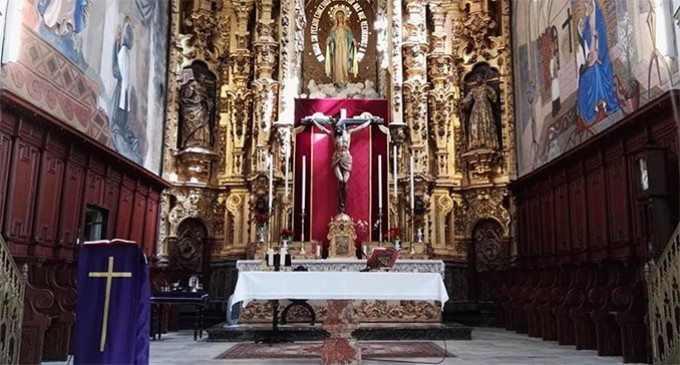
365, 332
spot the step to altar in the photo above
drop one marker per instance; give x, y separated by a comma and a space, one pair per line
368, 331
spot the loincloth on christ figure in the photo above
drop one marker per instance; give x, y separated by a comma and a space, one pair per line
343, 160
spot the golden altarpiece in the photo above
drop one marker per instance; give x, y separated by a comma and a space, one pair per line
236, 69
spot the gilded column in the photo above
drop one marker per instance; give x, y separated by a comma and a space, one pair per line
265, 88
441, 99
235, 115
415, 92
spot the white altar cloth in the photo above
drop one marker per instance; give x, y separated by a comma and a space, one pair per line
339, 286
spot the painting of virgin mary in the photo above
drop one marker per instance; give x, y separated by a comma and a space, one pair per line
596, 94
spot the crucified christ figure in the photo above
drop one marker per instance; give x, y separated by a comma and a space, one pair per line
342, 158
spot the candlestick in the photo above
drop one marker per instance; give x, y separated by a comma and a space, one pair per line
394, 170
304, 180
380, 182
413, 192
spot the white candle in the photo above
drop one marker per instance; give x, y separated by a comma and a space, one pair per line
413, 193
271, 184
394, 169
285, 177
270, 257
304, 180
282, 257
380, 181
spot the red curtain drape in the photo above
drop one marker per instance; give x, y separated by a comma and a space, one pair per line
321, 190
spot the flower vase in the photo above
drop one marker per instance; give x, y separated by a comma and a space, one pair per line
397, 244
419, 235
262, 233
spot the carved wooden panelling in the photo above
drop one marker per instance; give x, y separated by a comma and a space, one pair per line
617, 202
578, 214
563, 237
137, 226
94, 188
150, 223
124, 212
51, 180
5, 153
71, 205
597, 213
22, 193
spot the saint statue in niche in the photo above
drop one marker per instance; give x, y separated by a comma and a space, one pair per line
482, 129
196, 107
341, 50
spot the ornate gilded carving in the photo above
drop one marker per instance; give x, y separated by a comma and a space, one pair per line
202, 40
341, 237
206, 205
485, 203
367, 311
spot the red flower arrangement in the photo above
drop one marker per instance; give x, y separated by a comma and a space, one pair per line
286, 234
261, 219
394, 233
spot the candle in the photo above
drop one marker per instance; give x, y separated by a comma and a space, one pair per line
271, 184
285, 178
380, 181
270, 257
364, 249
282, 256
304, 180
413, 193
394, 169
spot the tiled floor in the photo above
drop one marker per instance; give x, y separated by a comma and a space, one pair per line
488, 346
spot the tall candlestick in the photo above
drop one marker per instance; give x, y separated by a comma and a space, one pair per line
394, 169
380, 181
271, 184
413, 192
304, 180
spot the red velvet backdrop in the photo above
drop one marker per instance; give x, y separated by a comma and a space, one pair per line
321, 191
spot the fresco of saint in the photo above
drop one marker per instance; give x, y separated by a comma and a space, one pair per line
596, 80
123, 136
341, 49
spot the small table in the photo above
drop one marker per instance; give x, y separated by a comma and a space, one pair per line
197, 299
340, 289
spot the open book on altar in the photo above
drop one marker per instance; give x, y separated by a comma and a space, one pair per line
115, 241
382, 258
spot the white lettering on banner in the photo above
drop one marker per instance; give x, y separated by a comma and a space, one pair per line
356, 7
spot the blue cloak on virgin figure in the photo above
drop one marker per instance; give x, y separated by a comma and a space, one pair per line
597, 81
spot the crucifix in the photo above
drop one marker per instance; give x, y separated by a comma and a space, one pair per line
567, 24
342, 159
109, 275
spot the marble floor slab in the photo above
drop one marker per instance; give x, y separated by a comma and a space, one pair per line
488, 346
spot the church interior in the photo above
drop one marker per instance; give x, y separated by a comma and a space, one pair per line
339, 181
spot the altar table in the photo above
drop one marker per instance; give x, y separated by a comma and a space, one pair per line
366, 311
340, 289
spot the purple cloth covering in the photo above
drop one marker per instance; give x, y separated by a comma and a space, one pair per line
127, 335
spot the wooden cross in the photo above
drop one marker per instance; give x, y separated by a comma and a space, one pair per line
567, 23
333, 121
109, 275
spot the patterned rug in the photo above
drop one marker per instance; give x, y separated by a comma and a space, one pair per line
312, 350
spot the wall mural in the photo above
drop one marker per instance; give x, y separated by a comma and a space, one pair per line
101, 67
582, 65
